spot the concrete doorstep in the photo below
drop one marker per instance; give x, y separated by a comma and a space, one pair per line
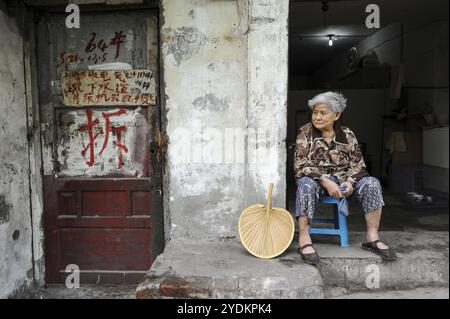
224, 269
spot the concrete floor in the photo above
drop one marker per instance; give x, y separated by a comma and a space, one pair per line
128, 292
399, 215
418, 293
87, 292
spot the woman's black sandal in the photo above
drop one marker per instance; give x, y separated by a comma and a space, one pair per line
386, 254
312, 258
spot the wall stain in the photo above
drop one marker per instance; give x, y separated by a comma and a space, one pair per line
184, 42
262, 20
24, 290
13, 83
212, 103
16, 234
8, 171
5, 210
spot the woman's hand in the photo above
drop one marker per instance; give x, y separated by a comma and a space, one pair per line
348, 189
331, 187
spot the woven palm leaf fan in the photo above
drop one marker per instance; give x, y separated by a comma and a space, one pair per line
265, 231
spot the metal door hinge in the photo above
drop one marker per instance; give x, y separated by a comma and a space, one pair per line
42, 125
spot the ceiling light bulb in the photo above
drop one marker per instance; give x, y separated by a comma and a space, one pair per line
330, 42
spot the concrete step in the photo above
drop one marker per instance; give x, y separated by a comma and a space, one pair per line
422, 262
86, 291
224, 269
200, 269
417, 293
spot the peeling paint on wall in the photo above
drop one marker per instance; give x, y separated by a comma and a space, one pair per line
223, 78
212, 103
7, 172
205, 82
5, 210
15, 235
262, 20
267, 95
184, 42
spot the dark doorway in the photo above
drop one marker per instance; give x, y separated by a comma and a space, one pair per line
102, 178
391, 81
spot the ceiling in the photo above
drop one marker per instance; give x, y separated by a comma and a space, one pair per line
308, 30
310, 49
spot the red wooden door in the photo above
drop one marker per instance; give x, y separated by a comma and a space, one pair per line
99, 117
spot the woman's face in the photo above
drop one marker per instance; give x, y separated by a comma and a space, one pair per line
323, 118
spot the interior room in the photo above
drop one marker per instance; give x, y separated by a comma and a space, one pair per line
395, 78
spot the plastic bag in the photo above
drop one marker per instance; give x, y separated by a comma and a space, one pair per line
343, 204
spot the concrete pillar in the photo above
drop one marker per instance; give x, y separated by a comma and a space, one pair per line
267, 100
225, 82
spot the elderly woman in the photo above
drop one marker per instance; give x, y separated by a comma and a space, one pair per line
329, 161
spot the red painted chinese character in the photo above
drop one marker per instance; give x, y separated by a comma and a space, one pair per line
146, 98
73, 88
89, 126
101, 97
126, 98
93, 74
76, 99
117, 131
88, 98
122, 88
118, 75
117, 40
104, 76
92, 86
114, 97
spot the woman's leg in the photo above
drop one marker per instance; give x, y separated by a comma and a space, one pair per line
305, 204
369, 193
303, 234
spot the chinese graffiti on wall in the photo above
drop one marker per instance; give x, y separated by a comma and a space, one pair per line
102, 142
102, 45
97, 50
83, 88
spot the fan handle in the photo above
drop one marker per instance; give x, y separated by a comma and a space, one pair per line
269, 198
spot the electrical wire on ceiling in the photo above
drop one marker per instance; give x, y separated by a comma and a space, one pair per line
331, 37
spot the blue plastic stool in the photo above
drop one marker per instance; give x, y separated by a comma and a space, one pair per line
339, 221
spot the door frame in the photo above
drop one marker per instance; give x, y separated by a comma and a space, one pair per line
31, 17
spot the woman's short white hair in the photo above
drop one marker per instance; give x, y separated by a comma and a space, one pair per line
335, 101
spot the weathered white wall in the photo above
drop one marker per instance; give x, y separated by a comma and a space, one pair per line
219, 78
16, 268
267, 99
205, 87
